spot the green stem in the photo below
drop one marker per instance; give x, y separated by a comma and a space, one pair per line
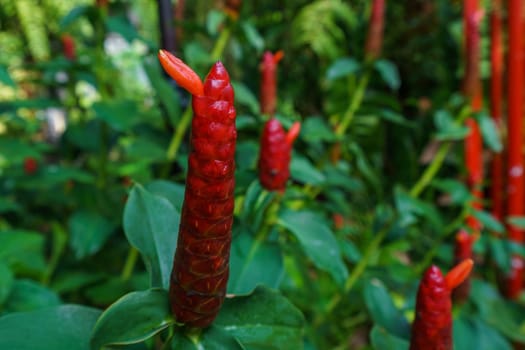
431, 171
357, 99
220, 44
129, 265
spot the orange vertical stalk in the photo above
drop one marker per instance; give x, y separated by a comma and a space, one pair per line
496, 104
374, 39
515, 186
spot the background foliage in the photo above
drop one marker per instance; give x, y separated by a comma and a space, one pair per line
90, 198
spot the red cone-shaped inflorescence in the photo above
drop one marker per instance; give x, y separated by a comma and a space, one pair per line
268, 99
374, 39
201, 264
275, 155
432, 327
68, 46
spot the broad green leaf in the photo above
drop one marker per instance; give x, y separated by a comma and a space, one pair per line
490, 132
500, 253
254, 262
27, 295
71, 281
64, 327
6, 283
132, 319
212, 338
317, 241
23, 251
315, 129
302, 170
53, 175
121, 115
383, 311
172, 191
144, 149
166, 91
382, 340
89, 231
342, 67
389, 73
506, 318
471, 333
262, 320
14, 150
151, 224
110, 290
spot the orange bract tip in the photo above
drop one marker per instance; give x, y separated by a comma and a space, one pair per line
293, 132
278, 56
458, 274
181, 73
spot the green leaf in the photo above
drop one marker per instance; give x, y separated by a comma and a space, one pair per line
447, 128
89, 231
490, 132
472, 333
121, 115
315, 129
488, 221
5, 77
214, 20
14, 150
64, 327
317, 241
500, 253
132, 319
252, 35
151, 225
166, 92
27, 295
262, 320
254, 262
409, 209
22, 251
458, 192
6, 283
302, 170
342, 67
213, 338
382, 340
244, 97
518, 221
75, 14
383, 311
389, 73
172, 191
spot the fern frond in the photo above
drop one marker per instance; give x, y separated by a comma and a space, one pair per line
321, 25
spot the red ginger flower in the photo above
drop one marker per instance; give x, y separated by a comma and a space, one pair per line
68, 46
30, 165
269, 82
463, 251
201, 265
432, 327
275, 154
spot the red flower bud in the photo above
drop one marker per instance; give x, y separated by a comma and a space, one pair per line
269, 82
30, 165
275, 154
68, 46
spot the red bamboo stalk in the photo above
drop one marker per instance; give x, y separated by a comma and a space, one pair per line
496, 104
515, 186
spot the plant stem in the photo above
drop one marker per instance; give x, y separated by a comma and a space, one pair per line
129, 265
357, 99
431, 171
